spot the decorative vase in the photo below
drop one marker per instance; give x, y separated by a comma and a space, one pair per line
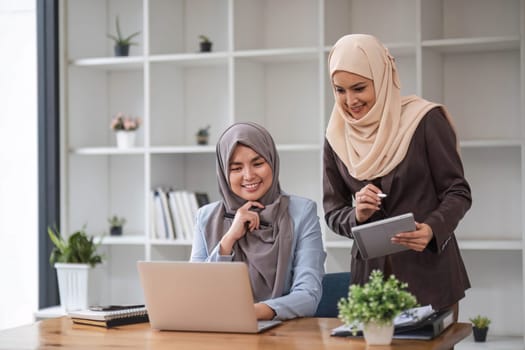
480, 334
378, 334
121, 50
125, 139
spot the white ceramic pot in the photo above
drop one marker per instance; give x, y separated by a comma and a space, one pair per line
125, 139
378, 334
79, 285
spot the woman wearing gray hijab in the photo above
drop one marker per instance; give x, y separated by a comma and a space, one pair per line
276, 234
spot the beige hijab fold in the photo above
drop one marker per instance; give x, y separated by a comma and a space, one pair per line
374, 145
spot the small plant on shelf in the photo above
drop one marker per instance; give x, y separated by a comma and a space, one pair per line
203, 135
122, 43
205, 43
115, 225
77, 249
123, 122
480, 327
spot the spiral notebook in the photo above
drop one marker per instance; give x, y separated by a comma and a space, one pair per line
110, 318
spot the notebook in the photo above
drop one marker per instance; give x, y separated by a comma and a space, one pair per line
198, 296
373, 239
110, 318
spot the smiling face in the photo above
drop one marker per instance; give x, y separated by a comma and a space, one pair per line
354, 94
250, 174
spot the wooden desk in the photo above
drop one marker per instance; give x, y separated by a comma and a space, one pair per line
299, 334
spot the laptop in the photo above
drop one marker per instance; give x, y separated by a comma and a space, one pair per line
198, 296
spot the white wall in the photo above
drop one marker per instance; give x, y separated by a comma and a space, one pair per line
18, 163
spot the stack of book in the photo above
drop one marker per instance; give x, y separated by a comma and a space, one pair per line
110, 317
173, 213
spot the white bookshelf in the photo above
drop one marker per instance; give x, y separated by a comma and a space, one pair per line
268, 65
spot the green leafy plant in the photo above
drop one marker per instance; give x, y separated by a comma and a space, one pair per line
119, 38
204, 39
480, 321
77, 249
378, 300
204, 132
115, 221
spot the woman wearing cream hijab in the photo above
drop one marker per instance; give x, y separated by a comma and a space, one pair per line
277, 235
379, 143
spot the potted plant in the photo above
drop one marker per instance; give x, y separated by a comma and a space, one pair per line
73, 259
480, 327
122, 43
115, 225
205, 43
374, 305
125, 127
203, 135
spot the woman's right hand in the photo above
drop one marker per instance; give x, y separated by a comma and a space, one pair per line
367, 202
244, 220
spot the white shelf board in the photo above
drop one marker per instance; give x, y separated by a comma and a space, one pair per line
107, 150
175, 242
490, 143
463, 244
279, 55
121, 240
110, 63
180, 149
192, 59
456, 45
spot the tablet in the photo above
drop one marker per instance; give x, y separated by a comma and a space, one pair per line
373, 239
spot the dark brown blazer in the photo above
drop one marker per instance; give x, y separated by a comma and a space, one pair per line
430, 183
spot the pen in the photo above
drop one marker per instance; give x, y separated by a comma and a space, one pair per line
382, 195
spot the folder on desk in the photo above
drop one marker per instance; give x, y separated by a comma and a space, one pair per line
426, 329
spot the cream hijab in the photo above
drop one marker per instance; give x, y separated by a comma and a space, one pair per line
267, 250
374, 145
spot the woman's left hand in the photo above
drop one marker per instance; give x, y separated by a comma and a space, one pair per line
416, 240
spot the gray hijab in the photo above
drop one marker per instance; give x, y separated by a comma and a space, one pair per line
267, 250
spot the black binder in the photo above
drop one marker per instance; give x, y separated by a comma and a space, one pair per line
426, 329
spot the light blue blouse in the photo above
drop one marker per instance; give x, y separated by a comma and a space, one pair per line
303, 285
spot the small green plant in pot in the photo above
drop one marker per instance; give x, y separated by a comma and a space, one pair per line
480, 327
203, 135
115, 225
74, 258
122, 43
374, 306
205, 43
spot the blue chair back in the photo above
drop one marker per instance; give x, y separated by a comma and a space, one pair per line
335, 287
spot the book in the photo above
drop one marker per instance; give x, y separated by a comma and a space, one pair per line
202, 198
111, 318
417, 323
166, 213
175, 214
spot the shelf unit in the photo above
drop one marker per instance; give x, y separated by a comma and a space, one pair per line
266, 67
